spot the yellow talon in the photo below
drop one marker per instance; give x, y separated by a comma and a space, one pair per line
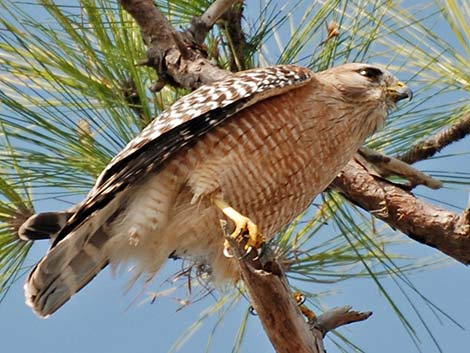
243, 225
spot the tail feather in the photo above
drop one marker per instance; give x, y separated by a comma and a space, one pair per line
64, 270
44, 225
73, 261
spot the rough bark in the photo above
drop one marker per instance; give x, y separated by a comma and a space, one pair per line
275, 305
177, 59
281, 315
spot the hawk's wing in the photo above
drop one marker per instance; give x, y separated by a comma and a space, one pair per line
182, 124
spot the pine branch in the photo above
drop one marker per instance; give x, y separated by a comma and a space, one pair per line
427, 224
429, 147
281, 316
444, 230
274, 302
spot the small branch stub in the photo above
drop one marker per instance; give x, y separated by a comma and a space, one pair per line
337, 317
387, 165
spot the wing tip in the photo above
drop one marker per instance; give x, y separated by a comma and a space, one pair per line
43, 225
42, 298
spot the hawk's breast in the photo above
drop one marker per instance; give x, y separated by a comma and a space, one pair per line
270, 160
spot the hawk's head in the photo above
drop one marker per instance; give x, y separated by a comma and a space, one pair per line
370, 88
364, 82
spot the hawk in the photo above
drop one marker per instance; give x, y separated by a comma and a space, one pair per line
254, 149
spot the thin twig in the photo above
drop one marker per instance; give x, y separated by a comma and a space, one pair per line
237, 39
201, 25
133, 100
434, 144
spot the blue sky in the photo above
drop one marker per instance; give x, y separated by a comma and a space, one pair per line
99, 318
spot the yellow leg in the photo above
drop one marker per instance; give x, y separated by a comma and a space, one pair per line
242, 225
309, 314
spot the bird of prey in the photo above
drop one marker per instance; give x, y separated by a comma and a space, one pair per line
254, 149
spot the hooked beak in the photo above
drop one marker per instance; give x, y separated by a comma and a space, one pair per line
400, 91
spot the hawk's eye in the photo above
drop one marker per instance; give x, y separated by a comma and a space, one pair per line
370, 72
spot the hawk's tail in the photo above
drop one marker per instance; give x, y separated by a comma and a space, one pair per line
65, 269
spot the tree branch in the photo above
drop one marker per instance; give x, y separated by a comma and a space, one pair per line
427, 224
171, 53
274, 303
429, 147
280, 314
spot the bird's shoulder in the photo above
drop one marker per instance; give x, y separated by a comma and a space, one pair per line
209, 106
